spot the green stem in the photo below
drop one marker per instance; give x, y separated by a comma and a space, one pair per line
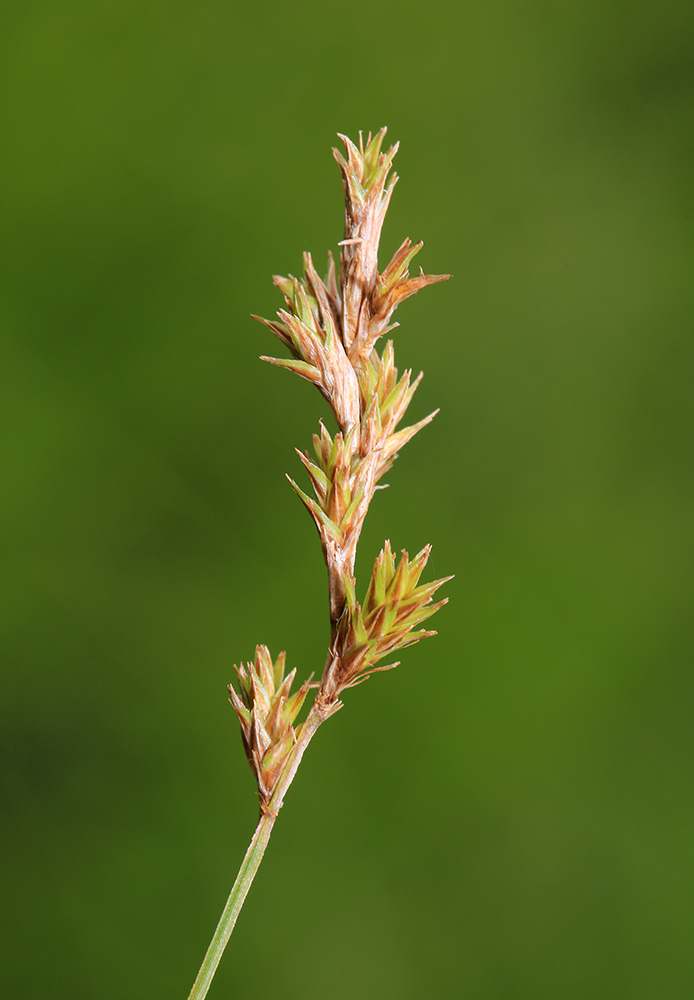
254, 855
237, 896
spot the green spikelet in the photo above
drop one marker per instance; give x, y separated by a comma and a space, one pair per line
393, 608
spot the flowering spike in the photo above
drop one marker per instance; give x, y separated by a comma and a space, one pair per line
330, 328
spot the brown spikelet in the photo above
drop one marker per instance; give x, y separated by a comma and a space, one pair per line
266, 712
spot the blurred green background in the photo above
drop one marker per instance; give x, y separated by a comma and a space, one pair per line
510, 813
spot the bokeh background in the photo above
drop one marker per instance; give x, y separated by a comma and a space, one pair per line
509, 814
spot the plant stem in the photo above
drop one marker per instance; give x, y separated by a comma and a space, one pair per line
254, 855
237, 896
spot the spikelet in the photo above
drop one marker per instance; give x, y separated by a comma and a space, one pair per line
266, 711
394, 607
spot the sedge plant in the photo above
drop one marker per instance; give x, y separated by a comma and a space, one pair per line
331, 328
